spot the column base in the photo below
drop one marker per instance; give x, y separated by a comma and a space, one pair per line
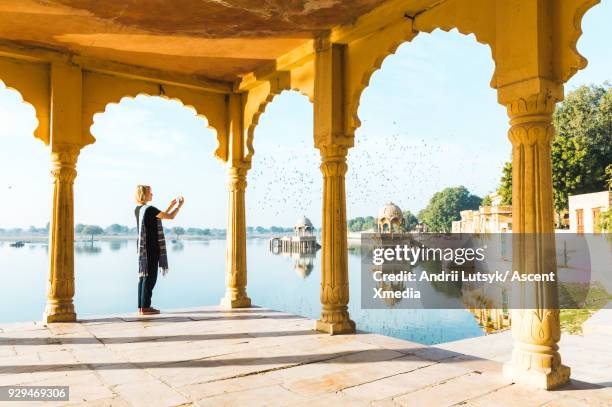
231, 303
335, 328
536, 378
58, 312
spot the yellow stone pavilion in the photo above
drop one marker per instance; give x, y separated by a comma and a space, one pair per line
227, 60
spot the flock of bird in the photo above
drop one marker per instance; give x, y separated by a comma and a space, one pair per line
286, 178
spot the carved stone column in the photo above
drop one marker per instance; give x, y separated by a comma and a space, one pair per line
334, 263
60, 290
235, 257
535, 322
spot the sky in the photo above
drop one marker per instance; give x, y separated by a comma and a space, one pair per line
429, 120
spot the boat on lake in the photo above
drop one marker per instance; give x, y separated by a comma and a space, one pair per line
18, 243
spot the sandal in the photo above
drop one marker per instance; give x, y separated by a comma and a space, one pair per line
147, 311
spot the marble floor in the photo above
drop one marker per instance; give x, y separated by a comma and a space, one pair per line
261, 357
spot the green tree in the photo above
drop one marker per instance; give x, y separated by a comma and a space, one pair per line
609, 176
444, 208
605, 220
92, 230
354, 225
360, 224
486, 201
78, 229
505, 186
116, 229
369, 223
178, 231
582, 148
410, 221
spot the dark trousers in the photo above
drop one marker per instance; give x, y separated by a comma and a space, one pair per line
146, 285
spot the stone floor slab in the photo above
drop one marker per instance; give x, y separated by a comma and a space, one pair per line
208, 356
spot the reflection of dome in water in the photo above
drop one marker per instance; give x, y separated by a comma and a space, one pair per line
304, 270
389, 216
303, 263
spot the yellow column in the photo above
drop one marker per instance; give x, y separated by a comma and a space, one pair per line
60, 290
334, 278
535, 326
333, 141
235, 258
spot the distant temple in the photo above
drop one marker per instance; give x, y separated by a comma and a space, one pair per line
302, 241
390, 219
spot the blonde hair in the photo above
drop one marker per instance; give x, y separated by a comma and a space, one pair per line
141, 193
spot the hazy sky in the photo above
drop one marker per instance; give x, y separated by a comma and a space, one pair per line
429, 120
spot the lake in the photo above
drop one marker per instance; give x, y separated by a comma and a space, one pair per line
106, 283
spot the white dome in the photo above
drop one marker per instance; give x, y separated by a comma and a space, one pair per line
303, 222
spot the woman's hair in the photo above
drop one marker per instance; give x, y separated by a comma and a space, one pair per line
141, 193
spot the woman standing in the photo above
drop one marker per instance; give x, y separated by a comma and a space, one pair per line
151, 245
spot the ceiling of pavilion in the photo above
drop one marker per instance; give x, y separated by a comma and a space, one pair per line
217, 39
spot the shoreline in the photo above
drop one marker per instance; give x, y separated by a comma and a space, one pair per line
39, 239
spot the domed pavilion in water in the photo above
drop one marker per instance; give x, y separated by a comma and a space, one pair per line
302, 241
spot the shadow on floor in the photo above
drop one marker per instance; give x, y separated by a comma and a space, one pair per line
8, 341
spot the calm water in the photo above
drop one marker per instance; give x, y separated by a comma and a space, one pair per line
106, 282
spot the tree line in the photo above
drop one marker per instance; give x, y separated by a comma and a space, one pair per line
121, 230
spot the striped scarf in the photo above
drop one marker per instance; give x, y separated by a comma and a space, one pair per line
143, 269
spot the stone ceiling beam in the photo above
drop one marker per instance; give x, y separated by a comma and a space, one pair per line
40, 54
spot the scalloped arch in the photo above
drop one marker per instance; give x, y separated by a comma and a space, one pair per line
190, 107
261, 110
386, 43
32, 82
388, 49
100, 95
25, 102
575, 61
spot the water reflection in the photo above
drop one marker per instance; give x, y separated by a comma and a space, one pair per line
287, 283
177, 246
87, 248
115, 245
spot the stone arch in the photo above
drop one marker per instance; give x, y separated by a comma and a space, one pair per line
569, 60
363, 62
25, 102
386, 43
32, 82
100, 91
263, 100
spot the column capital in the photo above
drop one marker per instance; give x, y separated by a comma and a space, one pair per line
237, 178
63, 162
65, 154
333, 150
530, 105
529, 90
333, 160
531, 119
